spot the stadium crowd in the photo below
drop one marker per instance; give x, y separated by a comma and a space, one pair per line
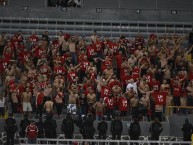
101, 76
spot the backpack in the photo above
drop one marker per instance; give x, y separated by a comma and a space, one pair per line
117, 125
11, 124
32, 131
102, 126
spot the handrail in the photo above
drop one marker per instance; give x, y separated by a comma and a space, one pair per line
99, 21
106, 141
169, 109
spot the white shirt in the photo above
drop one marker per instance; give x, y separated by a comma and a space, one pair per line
2, 102
132, 85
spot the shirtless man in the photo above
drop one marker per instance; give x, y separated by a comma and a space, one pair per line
26, 99
165, 87
15, 101
58, 82
73, 99
48, 106
134, 104
91, 97
48, 91
132, 60
99, 109
108, 71
169, 102
144, 104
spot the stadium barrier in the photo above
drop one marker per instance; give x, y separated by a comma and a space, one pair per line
45, 141
181, 109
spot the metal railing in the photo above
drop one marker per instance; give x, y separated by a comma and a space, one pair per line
181, 109
86, 27
45, 141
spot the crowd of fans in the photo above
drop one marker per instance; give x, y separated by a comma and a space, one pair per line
101, 76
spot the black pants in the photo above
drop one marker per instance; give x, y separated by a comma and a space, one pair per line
158, 114
59, 108
116, 136
10, 138
2, 111
134, 137
14, 107
176, 103
39, 110
154, 137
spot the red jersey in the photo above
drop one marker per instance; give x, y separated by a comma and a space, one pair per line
42, 85
90, 51
104, 64
119, 61
33, 39
55, 43
135, 73
39, 99
160, 97
148, 78
105, 90
114, 47
109, 103
177, 90
155, 85
98, 47
190, 75
8, 55
59, 70
71, 76
123, 104
84, 64
32, 131
6, 62
1, 66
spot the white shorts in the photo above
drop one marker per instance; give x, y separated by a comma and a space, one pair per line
27, 107
71, 108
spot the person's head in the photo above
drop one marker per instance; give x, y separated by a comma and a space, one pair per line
135, 119
89, 115
27, 90
101, 100
32, 122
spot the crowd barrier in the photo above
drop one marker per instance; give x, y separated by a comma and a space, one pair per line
180, 109
45, 141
